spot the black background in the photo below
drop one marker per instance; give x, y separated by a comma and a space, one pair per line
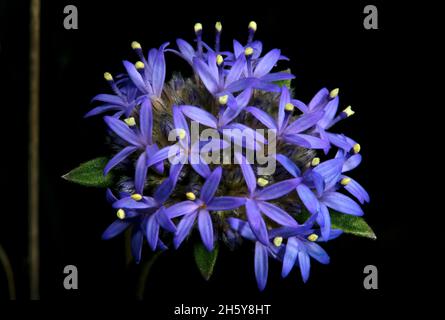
328, 47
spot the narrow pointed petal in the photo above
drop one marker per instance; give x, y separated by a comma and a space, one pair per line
352, 162
211, 185
179, 120
261, 265
267, 63
101, 109
284, 99
186, 49
109, 98
140, 173
278, 189
146, 121
329, 113
305, 265
110, 196
116, 228
290, 256
225, 203
181, 209
289, 165
307, 141
130, 203
164, 221
158, 72
277, 76
183, 229
200, 115
122, 130
308, 198
300, 105
119, 157
357, 190
236, 70
135, 76
342, 203
256, 222
208, 78
243, 98
277, 214
152, 232
338, 140
262, 117
206, 229
137, 239
324, 220
153, 149
249, 175
304, 122
317, 252
330, 170
201, 168
164, 190
242, 227
319, 100
161, 155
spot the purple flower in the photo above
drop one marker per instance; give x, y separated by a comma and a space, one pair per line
200, 209
137, 139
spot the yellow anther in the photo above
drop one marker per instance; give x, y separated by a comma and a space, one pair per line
136, 197
348, 111
334, 93
139, 65
356, 148
312, 237
219, 59
120, 214
181, 133
289, 106
252, 25
223, 99
130, 121
277, 241
197, 27
262, 182
315, 161
248, 51
108, 76
135, 45
218, 26
190, 196
345, 181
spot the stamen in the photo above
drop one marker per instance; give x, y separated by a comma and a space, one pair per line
108, 76
219, 59
252, 29
334, 93
356, 148
262, 182
277, 241
190, 195
198, 27
181, 133
130, 121
136, 197
120, 214
248, 51
139, 65
198, 32
348, 111
312, 237
252, 26
136, 45
223, 99
345, 181
315, 161
218, 26
289, 107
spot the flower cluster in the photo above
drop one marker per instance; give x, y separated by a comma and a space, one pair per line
167, 188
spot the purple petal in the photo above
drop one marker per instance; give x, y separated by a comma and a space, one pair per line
308, 198
306, 141
243, 98
300, 105
289, 165
352, 162
137, 240
101, 109
110, 196
261, 265
116, 228
152, 149
179, 120
284, 99
236, 70
242, 227
161, 155
158, 72
277, 76
225, 203
211, 185
186, 49
130, 203
357, 190
304, 122
278, 189
338, 140
317, 252
136, 77
120, 156
330, 171
122, 130
324, 220
164, 190
256, 222
200, 115
201, 168
329, 113
249, 175
146, 121
276, 214
152, 232
183, 229
140, 173
181, 209
164, 221
267, 63
305, 265
109, 98
290, 256
263, 117
342, 203
319, 100
206, 228
208, 78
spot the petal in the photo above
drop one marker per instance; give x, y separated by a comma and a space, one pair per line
256, 222
179, 120
308, 198
277, 76
240, 85
211, 185
201, 167
152, 232
338, 140
200, 115
300, 105
317, 252
357, 190
186, 49
329, 113
236, 70
303, 122
158, 72
249, 175
183, 229
243, 98
267, 63
342, 203
330, 171
324, 220
119, 157
164, 190
245, 136
290, 256
289, 165
161, 155
110, 196
352, 162
130, 203
136, 77
164, 221
284, 99
225, 203
101, 109
307, 141
208, 78
242, 227
146, 121
206, 228
109, 98
261, 265
181, 209
137, 240
305, 265
319, 100
140, 173
114, 229
278, 189
276, 214
152, 149
122, 130
263, 117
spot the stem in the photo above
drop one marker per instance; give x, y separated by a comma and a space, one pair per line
145, 270
4, 261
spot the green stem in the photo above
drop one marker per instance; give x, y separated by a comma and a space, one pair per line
145, 270
4, 261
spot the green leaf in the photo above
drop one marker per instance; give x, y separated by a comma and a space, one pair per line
286, 83
205, 260
91, 174
349, 224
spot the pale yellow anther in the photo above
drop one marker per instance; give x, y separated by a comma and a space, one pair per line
219, 59
190, 196
108, 76
356, 148
135, 45
253, 25
334, 93
248, 51
262, 182
223, 99
139, 65
277, 241
120, 214
315, 161
348, 111
289, 106
181, 133
312, 237
136, 197
197, 27
218, 26
345, 181
130, 121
